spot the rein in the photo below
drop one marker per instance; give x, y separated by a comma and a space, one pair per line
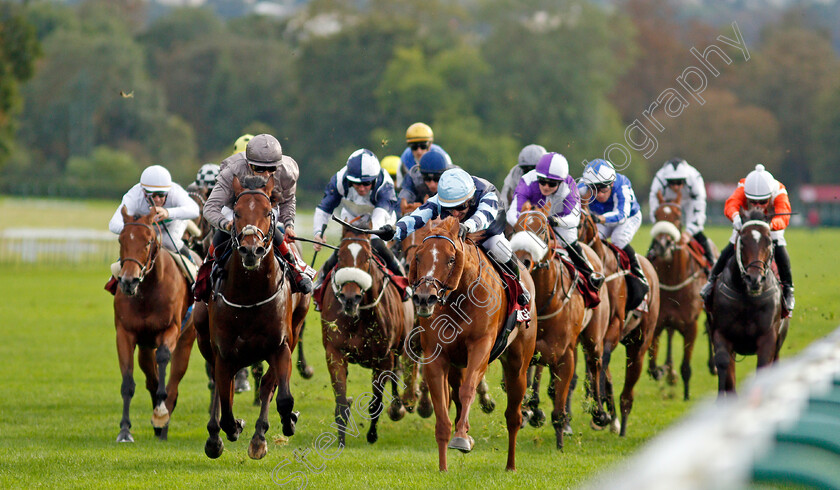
146, 267
441, 286
762, 265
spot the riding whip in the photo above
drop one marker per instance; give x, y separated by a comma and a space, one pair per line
323, 230
378, 233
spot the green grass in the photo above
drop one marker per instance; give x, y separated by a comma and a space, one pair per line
60, 404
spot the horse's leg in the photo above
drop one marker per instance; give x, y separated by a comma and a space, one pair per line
730, 378
125, 353
455, 379
224, 391
412, 384
593, 354
722, 362
376, 406
567, 429
561, 376
337, 366
670, 372
633, 370
469, 379
397, 409
180, 361
214, 446
257, 372
534, 415
605, 380
163, 355
711, 362
306, 371
515, 367
435, 375
653, 370
484, 399
689, 337
285, 400
425, 408
258, 448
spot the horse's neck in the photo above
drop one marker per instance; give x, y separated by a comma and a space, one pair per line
482, 271
263, 276
600, 249
679, 267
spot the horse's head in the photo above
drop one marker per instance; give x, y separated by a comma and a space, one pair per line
353, 276
139, 245
253, 219
532, 237
754, 250
438, 265
667, 230
587, 230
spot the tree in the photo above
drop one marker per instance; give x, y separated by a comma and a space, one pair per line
827, 137
19, 48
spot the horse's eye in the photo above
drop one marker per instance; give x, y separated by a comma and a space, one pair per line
236, 214
451, 261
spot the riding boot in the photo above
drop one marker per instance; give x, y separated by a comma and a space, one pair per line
707, 250
185, 252
303, 283
240, 381
581, 261
635, 267
725, 254
512, 266
785, 277
391, 261
637, 284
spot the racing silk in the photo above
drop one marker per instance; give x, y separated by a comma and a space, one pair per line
779, 197
482, 213
621, 205
508, 188
692, 203
380, 203
180, 205
414, 188
564, 202
222, 196
408, 160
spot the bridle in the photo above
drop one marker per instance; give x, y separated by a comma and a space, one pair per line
336, 287
588, 224
762, 265
250, 229
440, 286
145, 267
547, 240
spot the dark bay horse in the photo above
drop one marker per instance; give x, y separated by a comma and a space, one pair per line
462, 305
745, 311
681, 272
365, 322
151, 302
251, 319
632, 329
561, 315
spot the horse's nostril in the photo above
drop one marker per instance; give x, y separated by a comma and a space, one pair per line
260, 251
357, 298
243, 250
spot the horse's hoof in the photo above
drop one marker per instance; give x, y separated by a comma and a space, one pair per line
257, 401
125, 436
672, 378
160, 416
289, 424
594, 426
487, 404
396, 411
425, 410
238, 427
162, 433
464, 445
567, 429
655, 373
306, 372
526, 417
258, 448
537, 419
615, 427
213, 447
372, 436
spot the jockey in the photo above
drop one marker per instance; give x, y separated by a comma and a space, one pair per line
241, 143
550, 183
263, 156
362, 188
528, 158
679, 179
419, 138
421, 182
205, 179
170, 202
392, 164
615, 210
475, 203
759, 189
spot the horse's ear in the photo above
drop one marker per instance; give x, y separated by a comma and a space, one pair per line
546, 209
526, 207
237, 187
678, 199
660, 197
124, 213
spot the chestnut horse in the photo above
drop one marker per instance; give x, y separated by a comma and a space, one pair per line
562, 316
681, 276
149, 306
745, 311
634, 330
252, 318
462, 305
365, 322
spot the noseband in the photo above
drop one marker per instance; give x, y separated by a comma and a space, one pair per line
250, 229
762, 265
145, 267
436, 283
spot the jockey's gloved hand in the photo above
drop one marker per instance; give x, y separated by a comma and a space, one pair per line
463, 231
553, 221
386, 232
736, 222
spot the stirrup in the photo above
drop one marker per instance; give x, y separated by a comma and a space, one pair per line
706, 292
524, 297
596, 280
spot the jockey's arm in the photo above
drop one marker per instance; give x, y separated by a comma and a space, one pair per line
179, 205
781, 206
485, 214
221, 196
407, 207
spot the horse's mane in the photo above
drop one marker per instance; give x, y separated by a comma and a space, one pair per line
756, 214
253, 182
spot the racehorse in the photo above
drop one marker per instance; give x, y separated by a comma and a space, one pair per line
365, 322
561, 315
408, 248
200, 243
745, 310
462, 305
635, 331
681, 276
251, 319
150, 304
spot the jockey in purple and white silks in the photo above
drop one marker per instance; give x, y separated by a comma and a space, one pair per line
615, 210
550, 184
475, 203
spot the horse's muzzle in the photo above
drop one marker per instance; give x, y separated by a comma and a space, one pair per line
350, 304
755, 284
129, 285
424, 303
252, 255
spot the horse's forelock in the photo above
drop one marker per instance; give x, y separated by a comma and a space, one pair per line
756, 214
253, 182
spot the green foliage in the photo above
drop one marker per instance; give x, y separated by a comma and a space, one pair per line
105, 173
827, 136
